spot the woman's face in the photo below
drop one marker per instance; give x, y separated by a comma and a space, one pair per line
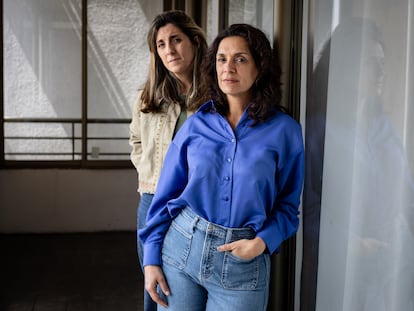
236, 68
176, 51
372, 68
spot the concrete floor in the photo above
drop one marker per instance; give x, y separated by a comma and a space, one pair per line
70, 272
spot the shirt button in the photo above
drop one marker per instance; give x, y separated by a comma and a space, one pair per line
227, 178
228, 160
233, 140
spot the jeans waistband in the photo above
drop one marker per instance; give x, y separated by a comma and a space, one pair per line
187, 218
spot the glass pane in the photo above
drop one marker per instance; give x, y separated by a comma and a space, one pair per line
42, 58
118, 56
212, 20
359, 140
108, 141
108, 149
41, 141
258, 13
42, 68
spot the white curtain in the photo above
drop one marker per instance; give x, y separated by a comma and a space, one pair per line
360, 120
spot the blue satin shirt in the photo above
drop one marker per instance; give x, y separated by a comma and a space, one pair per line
251, 176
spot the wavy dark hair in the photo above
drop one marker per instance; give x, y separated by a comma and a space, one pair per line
266, 92
161, 85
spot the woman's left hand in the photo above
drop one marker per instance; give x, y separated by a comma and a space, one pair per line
246, 249
154, 277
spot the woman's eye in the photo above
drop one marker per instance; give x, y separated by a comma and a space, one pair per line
221, 60
240, 60
160, 45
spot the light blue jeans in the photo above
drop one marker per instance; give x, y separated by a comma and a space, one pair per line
201, 278
144, 204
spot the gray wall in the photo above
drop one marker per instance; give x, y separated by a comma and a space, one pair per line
67, 200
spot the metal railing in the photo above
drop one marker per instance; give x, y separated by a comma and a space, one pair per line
72, 130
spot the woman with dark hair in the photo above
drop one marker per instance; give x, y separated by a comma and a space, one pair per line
171, 92
230, 186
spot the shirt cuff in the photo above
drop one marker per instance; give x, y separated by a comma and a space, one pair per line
272, 239
152, 255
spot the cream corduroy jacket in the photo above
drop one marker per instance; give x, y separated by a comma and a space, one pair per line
150, 137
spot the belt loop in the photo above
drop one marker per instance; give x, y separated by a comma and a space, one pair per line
194, 223
229, 235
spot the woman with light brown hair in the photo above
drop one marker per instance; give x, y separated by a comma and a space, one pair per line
177, 45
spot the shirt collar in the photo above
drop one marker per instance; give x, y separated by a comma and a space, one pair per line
208, 106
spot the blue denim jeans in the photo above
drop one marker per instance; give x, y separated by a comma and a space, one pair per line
144, 204
202, 278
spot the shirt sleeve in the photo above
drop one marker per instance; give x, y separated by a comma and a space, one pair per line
163, 209
283, 221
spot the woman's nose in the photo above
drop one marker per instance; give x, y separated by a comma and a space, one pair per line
170, 49
229, 67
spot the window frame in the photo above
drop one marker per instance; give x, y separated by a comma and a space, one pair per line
84, 121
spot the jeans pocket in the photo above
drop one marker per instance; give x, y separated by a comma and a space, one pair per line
176, 246
239, 273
